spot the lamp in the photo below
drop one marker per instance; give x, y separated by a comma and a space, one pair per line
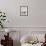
7, 31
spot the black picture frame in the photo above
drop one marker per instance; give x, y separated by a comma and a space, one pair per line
23, 10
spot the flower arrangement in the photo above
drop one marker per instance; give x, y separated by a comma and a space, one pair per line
2, 19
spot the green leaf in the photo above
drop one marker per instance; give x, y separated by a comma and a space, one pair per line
4, 16
0, 12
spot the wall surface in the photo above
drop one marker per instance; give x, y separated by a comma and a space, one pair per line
36, 13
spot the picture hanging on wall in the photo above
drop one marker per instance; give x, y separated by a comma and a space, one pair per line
23, 10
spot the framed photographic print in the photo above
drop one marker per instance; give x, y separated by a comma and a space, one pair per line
23, 10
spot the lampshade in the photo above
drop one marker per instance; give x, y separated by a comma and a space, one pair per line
7, 30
